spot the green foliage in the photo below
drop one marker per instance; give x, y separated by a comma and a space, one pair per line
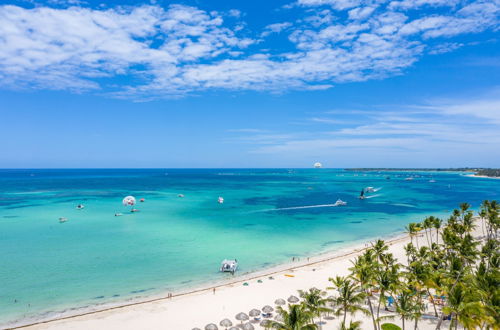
390, 326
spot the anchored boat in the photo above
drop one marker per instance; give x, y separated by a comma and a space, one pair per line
229, 266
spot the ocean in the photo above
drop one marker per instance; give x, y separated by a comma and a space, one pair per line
268, 217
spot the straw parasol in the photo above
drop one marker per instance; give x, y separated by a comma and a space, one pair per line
265, 323
226, 323
293, 299
248, 326
254, 312
241, 317
234, 328
211, 326
278, 318
280, 302
267, 309
196, 329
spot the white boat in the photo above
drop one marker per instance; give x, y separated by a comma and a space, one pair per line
180, 195
80, 207
432, 180
369, 189
318, 165
229, 266
340, 202
220, 200
62, 219
409, 179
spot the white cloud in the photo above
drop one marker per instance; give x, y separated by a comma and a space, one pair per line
182, 49
414, 4
275, 28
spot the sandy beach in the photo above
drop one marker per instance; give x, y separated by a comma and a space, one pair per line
196, 309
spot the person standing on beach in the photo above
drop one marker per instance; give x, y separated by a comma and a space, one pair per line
214, 290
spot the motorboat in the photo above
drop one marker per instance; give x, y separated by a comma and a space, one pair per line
180, 195
118, 214
432, 180
142, 200
318, 165
80, 207
134, 210
62, 219
220, 200
229, 266
408, 179
340, 202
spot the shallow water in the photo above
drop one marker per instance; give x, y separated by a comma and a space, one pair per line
268, 217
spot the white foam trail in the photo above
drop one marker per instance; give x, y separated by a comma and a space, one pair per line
373, 196
377, 189
300, 207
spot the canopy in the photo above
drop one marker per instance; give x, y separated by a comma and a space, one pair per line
129, 201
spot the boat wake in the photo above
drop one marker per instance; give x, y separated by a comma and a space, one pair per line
372, 196
300, 207
377, 189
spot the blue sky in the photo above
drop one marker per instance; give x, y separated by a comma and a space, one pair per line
205, 83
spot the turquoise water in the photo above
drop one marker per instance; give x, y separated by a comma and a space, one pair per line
47, 267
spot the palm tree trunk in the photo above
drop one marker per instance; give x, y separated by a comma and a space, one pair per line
403, 323
371, 310
433, 303
345, 314
378, 307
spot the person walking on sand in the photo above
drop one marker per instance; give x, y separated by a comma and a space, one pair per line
214, 290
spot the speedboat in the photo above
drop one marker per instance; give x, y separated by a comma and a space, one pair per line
408, 179
432, 180
229, 266
142, 200
80, 207
220, 200
134, 210
62, 219
180, 195
118, 214
340, 202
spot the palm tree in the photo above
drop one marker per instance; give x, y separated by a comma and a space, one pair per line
352, 326
463, 307
350, 297
405, 306
363, 272
297, 317
437, 224
315, 302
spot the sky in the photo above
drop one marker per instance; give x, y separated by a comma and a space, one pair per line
283, 83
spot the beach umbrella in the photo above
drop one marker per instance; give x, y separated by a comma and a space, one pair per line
293, 299
226, 323
129, 201
248, 326
280, 302
196, 329
241, 317
267, 309
278, 318
211, 326
265, 323
234, 328
254, 312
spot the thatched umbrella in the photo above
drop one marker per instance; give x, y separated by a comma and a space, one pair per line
196, 329
226, 323
293, 299
278, 318
267, 309
241, 317
211, 326
280, 302
254, 312
248, 326
265, 323
234, 328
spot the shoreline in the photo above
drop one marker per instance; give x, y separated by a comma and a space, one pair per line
314, 260
482, 176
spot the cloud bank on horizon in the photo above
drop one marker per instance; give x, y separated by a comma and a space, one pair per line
150, 51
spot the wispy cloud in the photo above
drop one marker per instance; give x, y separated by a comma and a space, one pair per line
169, 52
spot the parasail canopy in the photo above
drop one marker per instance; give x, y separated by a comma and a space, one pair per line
129, 201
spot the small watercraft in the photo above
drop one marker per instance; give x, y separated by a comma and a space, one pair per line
142, 200
408, 179
118, 214
362, 194
134, 210
229, 266
369, 189
220, 200
180, 195
340, 202
432, 180
80, 207
387, 177
62, 219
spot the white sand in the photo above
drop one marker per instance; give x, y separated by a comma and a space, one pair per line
200, 308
